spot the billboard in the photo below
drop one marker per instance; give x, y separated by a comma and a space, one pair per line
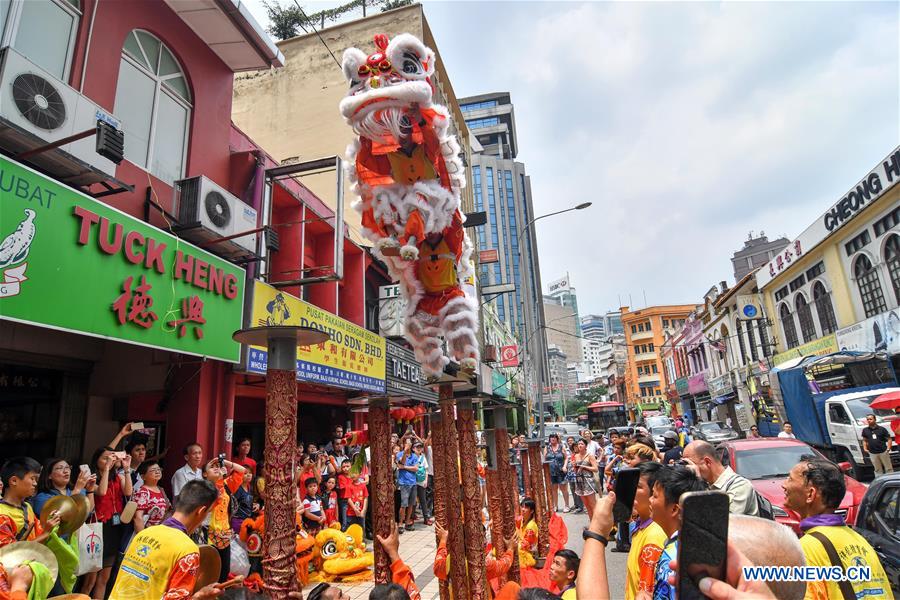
70, 262
509, 356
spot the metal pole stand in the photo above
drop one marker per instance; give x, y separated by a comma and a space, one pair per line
279, 455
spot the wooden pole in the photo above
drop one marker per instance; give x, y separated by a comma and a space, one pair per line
382, 482
472, 525
438, 443
459, 584
509, 488
280, 537
540, 496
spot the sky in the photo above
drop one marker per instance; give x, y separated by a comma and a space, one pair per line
687, 125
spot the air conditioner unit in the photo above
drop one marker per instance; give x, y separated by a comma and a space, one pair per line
35, 101
207, 212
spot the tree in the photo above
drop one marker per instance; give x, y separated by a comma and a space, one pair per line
578, 405
291, 21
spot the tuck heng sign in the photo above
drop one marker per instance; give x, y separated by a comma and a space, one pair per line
72, 263
871, 187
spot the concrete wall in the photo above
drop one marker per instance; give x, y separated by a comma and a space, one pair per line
293, 111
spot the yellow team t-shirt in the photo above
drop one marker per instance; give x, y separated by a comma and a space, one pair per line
646, 546
161, 562
853, 550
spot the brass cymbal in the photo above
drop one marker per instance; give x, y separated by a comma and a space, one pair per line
15, 554
210, 566
70, 597
69, 514
82, 501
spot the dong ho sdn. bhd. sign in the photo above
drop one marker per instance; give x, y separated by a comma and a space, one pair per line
72, 263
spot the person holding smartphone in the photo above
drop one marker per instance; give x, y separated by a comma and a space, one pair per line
671, 482
113, 486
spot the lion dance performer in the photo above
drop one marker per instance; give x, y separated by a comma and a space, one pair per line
406, 170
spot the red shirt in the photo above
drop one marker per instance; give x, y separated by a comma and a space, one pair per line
154, 505
344, 485
357, 493
330, 506
112, 502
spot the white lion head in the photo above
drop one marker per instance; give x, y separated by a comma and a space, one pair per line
383, 84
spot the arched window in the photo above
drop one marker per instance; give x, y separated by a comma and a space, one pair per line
822, 300
154, 103
751, 341
804, 314
869, 286
892, 258
787, 323
764, 337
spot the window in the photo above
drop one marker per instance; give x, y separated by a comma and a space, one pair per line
478, 105
486, 122
154, 103
887, 509
869, 286
650, 346
781, 294
763, 337
857, 243
787, 323
822, 300
797, 283
804, 314
892, 259
887, 222
751, 341
837, 414
815, 271
44, 31
740, 339
633, 329
665, 323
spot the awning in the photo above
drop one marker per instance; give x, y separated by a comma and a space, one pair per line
228, 28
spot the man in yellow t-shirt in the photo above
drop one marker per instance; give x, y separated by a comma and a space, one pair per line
814, 490
162, 561
563, 571
647, 537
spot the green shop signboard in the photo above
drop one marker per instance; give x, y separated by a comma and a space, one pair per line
69, 262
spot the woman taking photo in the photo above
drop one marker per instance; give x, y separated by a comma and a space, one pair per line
113, 485
56, 475
555, 456
585, 468
569, 468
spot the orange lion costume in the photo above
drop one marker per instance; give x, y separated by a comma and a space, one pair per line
406, 170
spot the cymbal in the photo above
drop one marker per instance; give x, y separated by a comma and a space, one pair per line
210, 566
82, 501
70, 597
15, 554
69, 514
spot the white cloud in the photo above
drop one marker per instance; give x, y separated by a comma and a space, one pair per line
687, 124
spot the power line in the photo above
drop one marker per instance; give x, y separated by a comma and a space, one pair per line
311, 26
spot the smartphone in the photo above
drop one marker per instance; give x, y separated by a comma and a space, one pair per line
625, 488
120, 454
702, 543
85, 469
137, 426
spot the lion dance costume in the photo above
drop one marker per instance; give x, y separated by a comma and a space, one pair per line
405, 168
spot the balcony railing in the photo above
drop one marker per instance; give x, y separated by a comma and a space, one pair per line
641, 335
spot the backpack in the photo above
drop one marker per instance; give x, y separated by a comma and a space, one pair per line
763, 506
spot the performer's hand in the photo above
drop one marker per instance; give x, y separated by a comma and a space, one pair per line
441, 532
20, 579
53, 520
391, 543
210, 591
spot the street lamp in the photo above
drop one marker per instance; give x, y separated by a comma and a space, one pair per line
541, 324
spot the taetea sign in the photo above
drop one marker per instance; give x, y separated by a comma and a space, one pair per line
72, 263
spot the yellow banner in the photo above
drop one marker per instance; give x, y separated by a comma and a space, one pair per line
353, 358
819, 347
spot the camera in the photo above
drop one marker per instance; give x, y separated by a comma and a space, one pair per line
222, 460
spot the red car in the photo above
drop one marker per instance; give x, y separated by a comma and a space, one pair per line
766, 463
